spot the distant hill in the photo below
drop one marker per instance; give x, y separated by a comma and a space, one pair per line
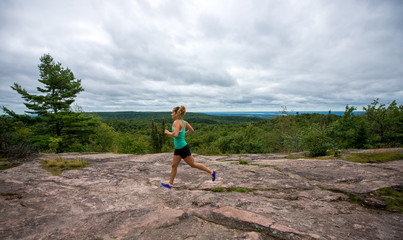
191, 117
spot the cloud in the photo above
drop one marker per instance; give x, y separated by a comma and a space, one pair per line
226, 55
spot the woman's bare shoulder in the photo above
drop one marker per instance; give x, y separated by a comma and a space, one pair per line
178, 122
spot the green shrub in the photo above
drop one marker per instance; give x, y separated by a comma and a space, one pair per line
317, 140
129, 143
77, 147
54, 144
103, 140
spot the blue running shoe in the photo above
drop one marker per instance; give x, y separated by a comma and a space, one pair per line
212, 175
167, 185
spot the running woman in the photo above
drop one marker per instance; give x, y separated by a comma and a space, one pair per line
182, 150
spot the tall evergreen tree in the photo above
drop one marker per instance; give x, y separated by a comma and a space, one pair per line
162, 134
61, 87
158, 137
52, 107
154, 137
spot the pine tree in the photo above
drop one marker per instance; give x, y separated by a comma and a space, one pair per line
154, 136
157, 138
61, 87
52, 108
162, 134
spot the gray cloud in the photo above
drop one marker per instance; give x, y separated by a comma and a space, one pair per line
208, 55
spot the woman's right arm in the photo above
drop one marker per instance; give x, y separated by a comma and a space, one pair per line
175, 133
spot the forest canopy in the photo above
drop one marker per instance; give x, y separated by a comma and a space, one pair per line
142, 132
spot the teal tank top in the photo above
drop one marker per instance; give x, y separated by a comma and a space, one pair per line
179, 141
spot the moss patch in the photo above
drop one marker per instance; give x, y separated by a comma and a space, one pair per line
392, 197
356, 199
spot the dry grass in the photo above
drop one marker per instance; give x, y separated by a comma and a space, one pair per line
58, 165
374, 157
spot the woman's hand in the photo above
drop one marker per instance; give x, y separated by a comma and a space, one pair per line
166, 132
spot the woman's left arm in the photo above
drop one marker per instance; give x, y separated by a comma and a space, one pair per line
189, 129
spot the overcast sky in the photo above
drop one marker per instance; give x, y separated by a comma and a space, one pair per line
209, 55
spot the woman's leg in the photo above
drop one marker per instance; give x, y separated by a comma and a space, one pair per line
175, 163
191, 161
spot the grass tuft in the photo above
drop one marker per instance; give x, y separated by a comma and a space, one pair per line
374, 157
243, 161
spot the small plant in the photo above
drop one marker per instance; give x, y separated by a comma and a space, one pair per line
218, 189
58, 165
337, 153
241, 190
54, 144
355, 199
243, 161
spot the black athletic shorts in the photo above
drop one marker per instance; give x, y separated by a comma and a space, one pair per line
183, 152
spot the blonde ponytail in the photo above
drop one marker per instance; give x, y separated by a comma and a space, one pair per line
180, 111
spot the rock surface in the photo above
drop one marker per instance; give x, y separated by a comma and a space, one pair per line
120, 197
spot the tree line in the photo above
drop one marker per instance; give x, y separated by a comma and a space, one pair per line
55, 126
381, 125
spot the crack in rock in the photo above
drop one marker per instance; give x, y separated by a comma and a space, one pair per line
245, 220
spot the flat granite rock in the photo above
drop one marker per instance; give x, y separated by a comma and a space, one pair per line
119, 196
